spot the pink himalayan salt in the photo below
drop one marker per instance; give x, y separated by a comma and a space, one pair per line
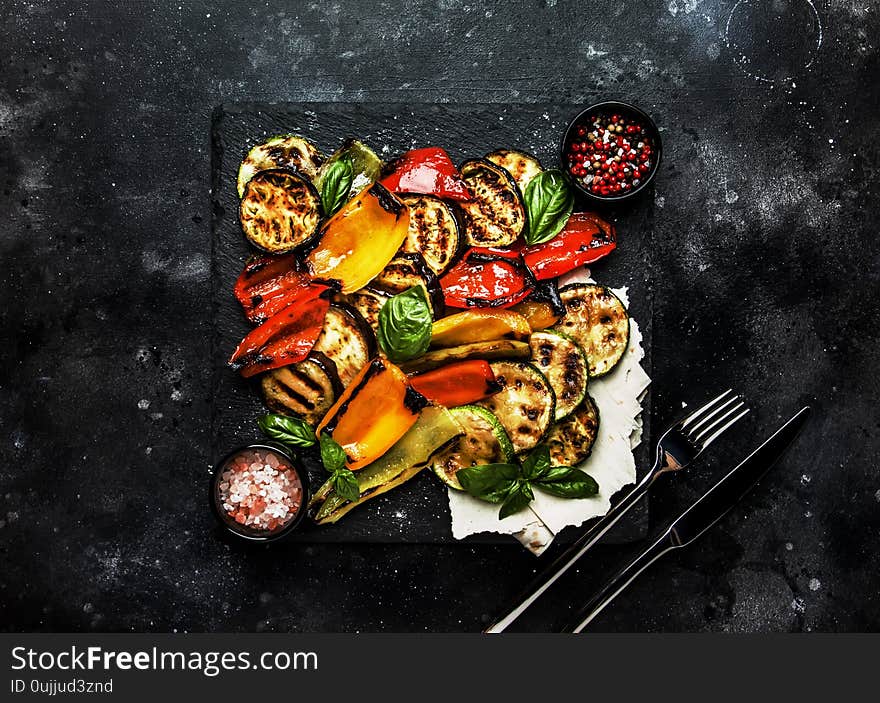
260, 490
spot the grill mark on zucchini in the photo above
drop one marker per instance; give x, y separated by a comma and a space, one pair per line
484, 441
571, 440
433, 231
564, 364
279, 211
284, 151
496, 215
521, 166
525, 405
597, 320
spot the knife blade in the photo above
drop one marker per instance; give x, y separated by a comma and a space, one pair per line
699, 517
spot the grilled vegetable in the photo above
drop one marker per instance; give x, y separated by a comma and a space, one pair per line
428, 171
366, 166
522, 167
434, 429
457, 384
564, 365
285, 151
347, 340
571, 440
306, 389
368, 302
483, 279
597, 320
358, 241
285, 338
405, 325
268, 284
538, 314
496, 215
433, 231
407, 270
484, 441
374, 411
582, 241
525, 405
279, 211
497, 349
479, 325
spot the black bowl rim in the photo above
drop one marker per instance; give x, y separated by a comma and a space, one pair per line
228, 524
652, 126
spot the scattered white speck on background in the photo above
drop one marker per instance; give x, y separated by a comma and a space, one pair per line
815, 584
805, 479
143, 404
797, 605
789, 546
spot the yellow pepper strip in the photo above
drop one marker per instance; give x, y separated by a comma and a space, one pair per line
479, 326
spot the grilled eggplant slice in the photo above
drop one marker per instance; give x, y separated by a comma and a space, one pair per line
285, 151
433, 231
407, 270
521, 166
496, 216
525, 405
571, 440
484, 441
306, 390
279, 211
597, 320
347, 340
561, 360
368, 302
496, 349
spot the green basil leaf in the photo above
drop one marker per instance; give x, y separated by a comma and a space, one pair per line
517, 499
345, 484
335, 185
537, 463
289, 430
567, 482
332, 455
489, 482
405, 325
549, 201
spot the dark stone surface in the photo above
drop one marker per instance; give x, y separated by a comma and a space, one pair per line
767, 280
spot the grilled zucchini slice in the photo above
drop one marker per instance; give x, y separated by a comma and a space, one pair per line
525, 405
347, 340
307, 389
368, 301
407, 270
521, 166
484, 441
433, 231
561, 360
496, 349
597, 320
571, 440
285, 151
496, 216
279, 211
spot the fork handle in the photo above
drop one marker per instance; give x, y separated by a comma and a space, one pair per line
619, 582
570, 556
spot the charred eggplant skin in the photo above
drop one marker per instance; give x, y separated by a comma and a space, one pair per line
406, 270
496, 216
434, 231
522, 166
283, 151
279, 211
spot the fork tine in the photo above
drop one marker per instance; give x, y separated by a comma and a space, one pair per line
696, 436
726, 427
708, 421
697, 413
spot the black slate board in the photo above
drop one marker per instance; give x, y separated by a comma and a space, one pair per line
419, 511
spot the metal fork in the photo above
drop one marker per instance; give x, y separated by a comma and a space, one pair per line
676, 449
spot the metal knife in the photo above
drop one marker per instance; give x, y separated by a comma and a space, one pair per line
698, 518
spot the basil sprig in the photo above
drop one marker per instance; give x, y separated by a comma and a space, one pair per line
336, 185
405, 325
296, 433
549, 201
511, 484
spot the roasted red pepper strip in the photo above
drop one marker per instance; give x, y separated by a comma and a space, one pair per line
429, 171
457, 384
485, 280
285, 338
268, 284
584, 239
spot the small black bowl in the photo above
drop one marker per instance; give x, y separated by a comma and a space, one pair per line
613, 106
243, 532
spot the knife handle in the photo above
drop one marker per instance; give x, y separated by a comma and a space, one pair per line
571, 555
618, 582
